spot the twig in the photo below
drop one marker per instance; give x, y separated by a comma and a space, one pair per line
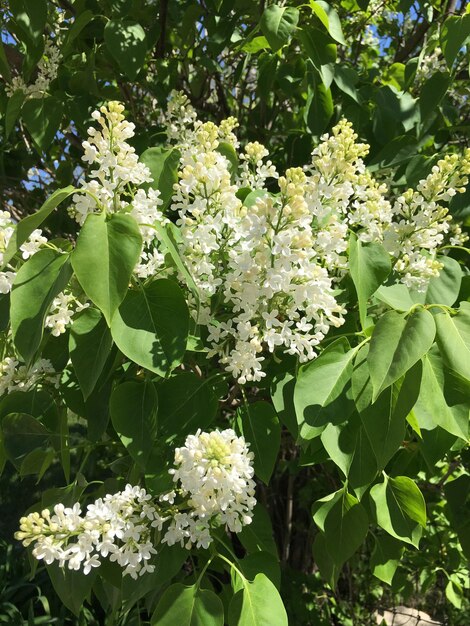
160, 48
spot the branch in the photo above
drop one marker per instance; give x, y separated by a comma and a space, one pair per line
221, 96
160, 49
14, 58
403, 53
451, 6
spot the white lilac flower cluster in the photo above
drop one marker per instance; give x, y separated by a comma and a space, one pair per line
15, 376
113, 184
421, 223
213, 485
62, 311
47, 69
267, 268
117, 526
431, 63
214, 475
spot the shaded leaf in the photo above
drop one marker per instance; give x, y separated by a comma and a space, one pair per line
278, 24
133, 407
151, 326
36, 284
106, 252
399, 508
90, 343
127, 44
397, 343
262, 431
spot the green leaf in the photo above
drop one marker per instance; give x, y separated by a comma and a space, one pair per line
42, 117
36, 284
79, 23
278, 24
26, 226
167, 235
282, 396
452, 346
14, 104
321, 51
37, 403
454, 33
257, 604
457, 495
258, 536
71, 586
396, 296
384, 428
349, 448
399, 508
418, 168
435, 445
462, 322
432, 92
187, 402
253, 564
344, 522
188, 606
370, 265
431, 408
133, 407
90, 343
361, 385
397, 151
163, 165
127, 44
318, 108
324, 561
106, 252
228, 151
346, 79
397, 344
37, 462
320, 13
22, 434
260, 426
151, 326
454, 593
256, 44
384, 420
385, 557
334, 23
443, 289
30, 16
396, 75
318, 394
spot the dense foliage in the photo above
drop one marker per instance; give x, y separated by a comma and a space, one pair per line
234, 310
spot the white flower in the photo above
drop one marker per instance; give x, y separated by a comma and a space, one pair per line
422, 222
47, 69
117, 166
62, 310
6, 281
115, 526
17, 377
215, 472
213, 480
